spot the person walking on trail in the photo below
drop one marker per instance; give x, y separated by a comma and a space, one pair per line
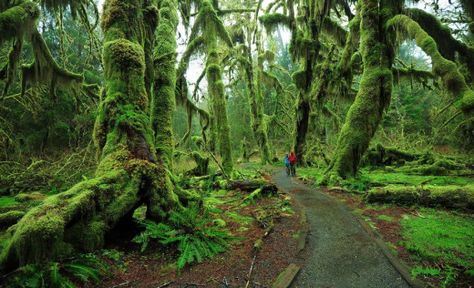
292, 158
286, 161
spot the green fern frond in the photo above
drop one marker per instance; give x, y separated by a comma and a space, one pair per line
192, 231
82, 272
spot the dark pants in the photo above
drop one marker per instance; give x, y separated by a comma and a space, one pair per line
288, 169
293, 169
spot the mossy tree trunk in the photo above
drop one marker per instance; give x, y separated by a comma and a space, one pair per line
306, 46
213, 30
218, 102
163, 100
254, 81
365, 114
129, 173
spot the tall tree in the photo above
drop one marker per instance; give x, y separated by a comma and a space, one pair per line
129, 173
163, 99
381, 20
207, 31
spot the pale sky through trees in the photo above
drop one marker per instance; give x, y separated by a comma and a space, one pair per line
196, 65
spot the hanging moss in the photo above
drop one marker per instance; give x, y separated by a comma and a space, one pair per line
213, 30
18, 20
334, 31
273, 20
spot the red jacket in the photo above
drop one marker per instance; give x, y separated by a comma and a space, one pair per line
292, 158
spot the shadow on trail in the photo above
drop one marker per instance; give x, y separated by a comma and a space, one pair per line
339, 252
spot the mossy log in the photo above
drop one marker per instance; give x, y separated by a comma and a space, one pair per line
382, 156
129, 173
455, 197
437, 167
252, 185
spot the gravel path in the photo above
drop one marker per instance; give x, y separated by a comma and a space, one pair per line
339, 252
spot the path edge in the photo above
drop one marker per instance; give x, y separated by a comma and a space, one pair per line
401, 267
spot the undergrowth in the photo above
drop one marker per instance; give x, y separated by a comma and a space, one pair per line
443, 239
191, 230
84, 269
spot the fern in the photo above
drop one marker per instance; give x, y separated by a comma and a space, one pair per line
191, 231
53, 275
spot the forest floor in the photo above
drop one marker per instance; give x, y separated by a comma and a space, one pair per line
339, 252
435, 243
273, 220
271, 232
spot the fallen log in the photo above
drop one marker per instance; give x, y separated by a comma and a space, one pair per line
252, 185
451, 196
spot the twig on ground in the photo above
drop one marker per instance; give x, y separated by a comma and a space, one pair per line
166, 284
121, 284
251, 270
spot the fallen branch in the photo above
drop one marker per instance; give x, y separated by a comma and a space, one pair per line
249, 277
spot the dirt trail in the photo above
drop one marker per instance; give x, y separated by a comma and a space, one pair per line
339, 252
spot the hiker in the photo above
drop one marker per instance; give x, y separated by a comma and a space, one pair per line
292, 158
286, 161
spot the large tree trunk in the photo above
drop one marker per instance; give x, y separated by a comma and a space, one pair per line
373, 97
129, 173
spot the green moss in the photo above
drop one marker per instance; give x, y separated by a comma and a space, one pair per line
8, 201
451, 196
18, 20
365, 114
128, 174
273, 20
163, 100
27, 197
385, 218
212, 31
440, 237
383, 178
87, 237
447, 70
467, 102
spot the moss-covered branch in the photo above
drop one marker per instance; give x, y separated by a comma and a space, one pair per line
447, 70
18, 21
447, 45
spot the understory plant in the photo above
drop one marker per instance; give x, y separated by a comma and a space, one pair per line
191, 230
83, 269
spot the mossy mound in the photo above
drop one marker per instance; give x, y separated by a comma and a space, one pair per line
451, 196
